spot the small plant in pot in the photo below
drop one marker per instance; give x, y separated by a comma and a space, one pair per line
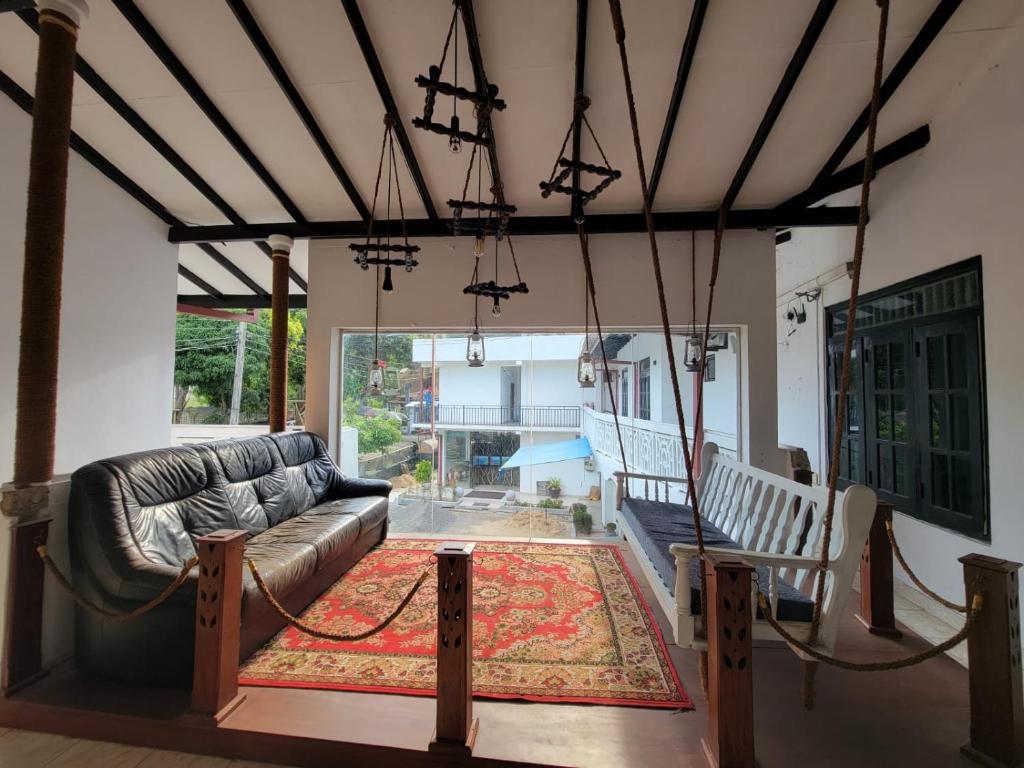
582, 520
554, 487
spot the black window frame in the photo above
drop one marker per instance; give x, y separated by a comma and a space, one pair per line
876, 396
643, 390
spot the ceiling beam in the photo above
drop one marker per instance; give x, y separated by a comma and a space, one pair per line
700, 8
173, 64
598, 224
781, 238
579, 84
853, 175
198, 282
16, 5
775, 106
355, 20
266, 52
89, 153
927, 34
240, 301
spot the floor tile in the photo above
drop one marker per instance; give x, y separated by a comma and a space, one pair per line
161, 759
25, 749
98, 754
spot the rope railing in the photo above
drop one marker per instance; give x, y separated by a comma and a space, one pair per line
898, 553
88, 604
340, 637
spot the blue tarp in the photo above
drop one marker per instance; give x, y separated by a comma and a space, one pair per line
548, 453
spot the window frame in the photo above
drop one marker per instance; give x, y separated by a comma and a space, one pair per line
911, 332
643, 393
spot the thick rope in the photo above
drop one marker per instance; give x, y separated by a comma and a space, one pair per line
873, 666
620, 38
585, 251
858, 258
88, 604
913, 576
302, 626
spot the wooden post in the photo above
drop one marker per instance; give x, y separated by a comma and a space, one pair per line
730, 740
876, 586
23, 641
281, 247
218, 622
456, 727
993, 653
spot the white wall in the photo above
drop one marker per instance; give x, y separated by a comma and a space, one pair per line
117, 321
958, 197
341, 297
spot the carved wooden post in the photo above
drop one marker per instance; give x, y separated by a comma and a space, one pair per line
876, 587
23, 641
730, 740
218, 622
456, 727
993, 652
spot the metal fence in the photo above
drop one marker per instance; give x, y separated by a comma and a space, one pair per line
557, 416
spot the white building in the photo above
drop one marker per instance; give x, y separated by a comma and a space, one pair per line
526, 394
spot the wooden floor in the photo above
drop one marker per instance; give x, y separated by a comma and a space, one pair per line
912, 717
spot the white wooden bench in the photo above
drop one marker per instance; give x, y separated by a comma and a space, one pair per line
777, 524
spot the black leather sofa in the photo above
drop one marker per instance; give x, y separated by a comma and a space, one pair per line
134, 520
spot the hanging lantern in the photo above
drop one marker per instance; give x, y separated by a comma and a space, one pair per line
478, 245
691, 362
475, 349
585, 370
388, 285
375, 380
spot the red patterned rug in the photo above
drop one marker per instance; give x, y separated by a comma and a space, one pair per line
552, 622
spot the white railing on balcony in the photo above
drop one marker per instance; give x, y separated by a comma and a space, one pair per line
514, 417
652, 447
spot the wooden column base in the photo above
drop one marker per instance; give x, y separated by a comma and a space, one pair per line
450, 747
216, 718
876, 585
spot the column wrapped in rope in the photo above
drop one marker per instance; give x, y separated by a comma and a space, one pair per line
281, 248
59, 21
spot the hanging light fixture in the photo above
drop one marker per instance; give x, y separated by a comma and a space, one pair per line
692, 358
585, 374
377, 248
475, 341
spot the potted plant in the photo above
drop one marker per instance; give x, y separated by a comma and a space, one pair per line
554, 487
582, 520
610, 528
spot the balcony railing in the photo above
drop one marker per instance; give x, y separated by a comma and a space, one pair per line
551, 416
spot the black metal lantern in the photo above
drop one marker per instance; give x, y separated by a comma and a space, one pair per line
692, 359
585, 374
375, 379
475, 349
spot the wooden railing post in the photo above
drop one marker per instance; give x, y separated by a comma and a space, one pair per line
730, 740
456, 727
876, 586
218, 622
993, 653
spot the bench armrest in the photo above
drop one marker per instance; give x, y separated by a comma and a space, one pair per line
689, 551
353, 487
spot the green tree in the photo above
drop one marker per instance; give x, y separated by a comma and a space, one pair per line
424, 471
394, 348
204, 360
376, 433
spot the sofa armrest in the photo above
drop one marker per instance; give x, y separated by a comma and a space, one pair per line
353, 487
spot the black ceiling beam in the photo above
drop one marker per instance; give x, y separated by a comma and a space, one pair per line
852, 175
355, 20
16, 5
700, 8
781, 238
266, 52
197, 281
598, 224
927, 34
22, 98
775, 106
173, 64
93, 79
239, 301
579, 83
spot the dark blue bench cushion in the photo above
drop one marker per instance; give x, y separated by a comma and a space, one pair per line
658, 524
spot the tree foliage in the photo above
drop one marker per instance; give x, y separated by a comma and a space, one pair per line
376, 433
204, 360
395, 349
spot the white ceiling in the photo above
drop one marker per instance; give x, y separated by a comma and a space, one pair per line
528, 48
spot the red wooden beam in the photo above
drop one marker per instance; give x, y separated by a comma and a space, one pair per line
219, 314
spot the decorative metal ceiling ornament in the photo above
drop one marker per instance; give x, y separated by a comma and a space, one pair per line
377, 244
483, 103
565, 168
492, 288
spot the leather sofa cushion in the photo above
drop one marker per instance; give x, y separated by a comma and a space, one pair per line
309, 471
285, 560
330, 535
370, 511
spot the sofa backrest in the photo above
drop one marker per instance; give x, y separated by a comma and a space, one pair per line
156, 503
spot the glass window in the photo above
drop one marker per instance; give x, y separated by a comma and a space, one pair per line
644, 393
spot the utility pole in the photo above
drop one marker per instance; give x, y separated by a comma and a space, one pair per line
236, 388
